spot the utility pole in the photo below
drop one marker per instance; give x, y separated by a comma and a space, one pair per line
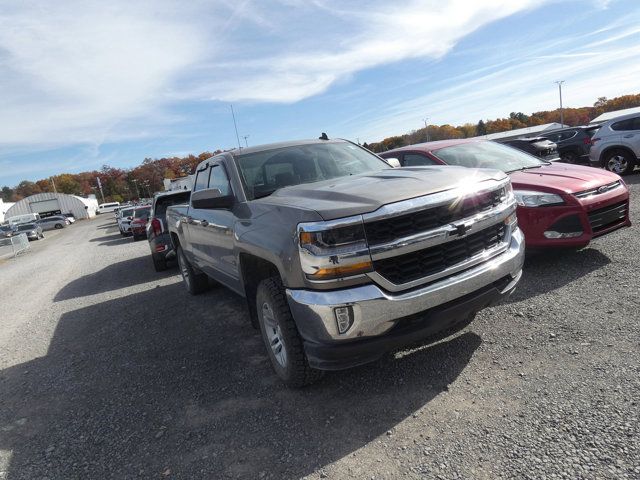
426, 126
100, 187
54, 185
246, 144
235, 126
560, 82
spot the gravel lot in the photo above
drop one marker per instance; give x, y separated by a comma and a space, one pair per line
109, 370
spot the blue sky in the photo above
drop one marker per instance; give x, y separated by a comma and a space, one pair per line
88, 83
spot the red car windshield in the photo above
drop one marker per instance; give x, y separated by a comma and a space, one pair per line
142, 213
488, 155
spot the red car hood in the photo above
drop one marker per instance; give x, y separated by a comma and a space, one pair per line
562, 177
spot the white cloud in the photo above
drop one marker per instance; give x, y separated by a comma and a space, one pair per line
82, 71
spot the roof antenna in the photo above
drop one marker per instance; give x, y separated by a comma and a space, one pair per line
323, 136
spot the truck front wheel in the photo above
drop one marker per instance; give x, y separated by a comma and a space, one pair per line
195, 282
281, 337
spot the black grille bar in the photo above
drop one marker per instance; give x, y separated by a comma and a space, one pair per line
420, 264
609, 216
383, 231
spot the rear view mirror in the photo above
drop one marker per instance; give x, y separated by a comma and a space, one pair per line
211, 198
394, 162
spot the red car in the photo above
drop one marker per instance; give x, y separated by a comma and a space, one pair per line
139, 222
559, 204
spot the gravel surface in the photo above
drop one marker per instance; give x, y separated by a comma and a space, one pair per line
110, 370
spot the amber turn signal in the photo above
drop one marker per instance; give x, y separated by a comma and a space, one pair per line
342, 271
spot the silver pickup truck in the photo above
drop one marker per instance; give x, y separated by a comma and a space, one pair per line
340, 256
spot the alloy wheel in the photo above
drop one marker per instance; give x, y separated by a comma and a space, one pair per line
274, 335
617, 164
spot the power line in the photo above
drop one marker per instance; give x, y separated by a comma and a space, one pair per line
235, 126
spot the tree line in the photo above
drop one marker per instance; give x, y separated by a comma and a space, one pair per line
141, 181
515, 120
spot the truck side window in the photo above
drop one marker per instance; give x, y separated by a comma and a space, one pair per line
218, 179
202, 180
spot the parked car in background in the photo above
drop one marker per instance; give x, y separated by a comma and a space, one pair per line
573, 143
124, 217
537, 146
139, 222
69, 217
6, 231
56, 221
32, 230
157, 231
616, 145
24, 218
107, 207
337, 253
559, 205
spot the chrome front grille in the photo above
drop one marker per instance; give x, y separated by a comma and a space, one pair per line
382, 231
599, 190
423, 263
422, 240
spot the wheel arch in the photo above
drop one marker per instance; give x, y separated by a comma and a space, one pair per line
253, 270
623, 148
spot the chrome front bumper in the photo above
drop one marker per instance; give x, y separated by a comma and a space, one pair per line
376, 311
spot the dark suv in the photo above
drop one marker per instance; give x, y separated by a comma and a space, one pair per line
157, 231
538, 146
573, 143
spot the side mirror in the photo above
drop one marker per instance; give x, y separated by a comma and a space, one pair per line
211, 198
394, 162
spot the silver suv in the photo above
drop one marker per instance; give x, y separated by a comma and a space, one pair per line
616, 146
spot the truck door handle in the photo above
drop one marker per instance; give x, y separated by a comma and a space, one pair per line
629, 136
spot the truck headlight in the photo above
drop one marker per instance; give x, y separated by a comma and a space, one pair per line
332, 250
529, 198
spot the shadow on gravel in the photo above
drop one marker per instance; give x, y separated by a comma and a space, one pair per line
633, 179
109, 238
116, 276
163, 385
545, 271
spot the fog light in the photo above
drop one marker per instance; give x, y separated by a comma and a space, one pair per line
552, 234
344, 318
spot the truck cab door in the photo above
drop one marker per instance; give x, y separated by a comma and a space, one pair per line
193, 229
217, 224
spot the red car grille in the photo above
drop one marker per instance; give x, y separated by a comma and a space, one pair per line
609, 216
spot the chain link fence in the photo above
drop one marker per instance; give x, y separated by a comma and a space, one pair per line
13, 246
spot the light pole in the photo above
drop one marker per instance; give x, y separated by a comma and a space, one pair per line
560, 82
426, 126
245, 140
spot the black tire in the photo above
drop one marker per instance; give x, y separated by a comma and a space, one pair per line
58, 226
293, 369
136, 237
159, 262
194, 281
619, 161
569, 157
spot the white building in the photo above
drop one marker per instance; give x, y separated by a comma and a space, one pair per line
47, 204
4, 206
617, 113
522, 132
182, 183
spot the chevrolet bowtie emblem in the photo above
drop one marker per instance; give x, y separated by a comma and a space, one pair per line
460, 229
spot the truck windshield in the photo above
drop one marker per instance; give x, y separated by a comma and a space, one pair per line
265, 172
488, 155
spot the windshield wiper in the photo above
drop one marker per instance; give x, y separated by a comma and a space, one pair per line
263, 194
522, 169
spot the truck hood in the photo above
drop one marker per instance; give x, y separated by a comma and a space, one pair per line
359, 194
562, 177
